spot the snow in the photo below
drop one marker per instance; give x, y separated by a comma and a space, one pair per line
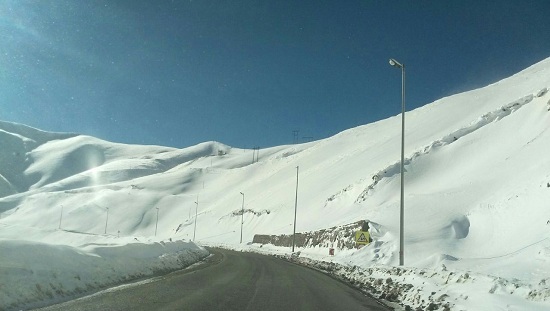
79, 214
35, 273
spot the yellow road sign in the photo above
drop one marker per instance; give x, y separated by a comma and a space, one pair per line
362, 237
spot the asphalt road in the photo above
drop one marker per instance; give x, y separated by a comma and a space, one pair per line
232, 280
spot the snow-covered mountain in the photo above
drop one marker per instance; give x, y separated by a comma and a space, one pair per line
477, 187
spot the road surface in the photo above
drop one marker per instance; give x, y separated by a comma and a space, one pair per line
232, 280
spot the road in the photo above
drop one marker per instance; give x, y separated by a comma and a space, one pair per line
231, 280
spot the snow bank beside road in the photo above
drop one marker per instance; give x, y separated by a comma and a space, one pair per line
412, 288
437, 289
37, 274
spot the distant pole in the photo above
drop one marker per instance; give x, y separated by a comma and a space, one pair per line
196, 214
255, 154
242, 218
61, 217
295, 211
157, 224
106, 220
295, 133
395, 63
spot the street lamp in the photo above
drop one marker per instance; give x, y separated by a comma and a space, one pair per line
106, 220
157, 224
61, 217
242, 218
295, 211
196, 213
395, 63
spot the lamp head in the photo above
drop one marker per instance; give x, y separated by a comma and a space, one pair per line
395, 63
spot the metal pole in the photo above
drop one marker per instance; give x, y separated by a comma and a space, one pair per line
106, 220
242, 219
61, 217
295, 211
157, 224
402, 209
395, 63
196, 213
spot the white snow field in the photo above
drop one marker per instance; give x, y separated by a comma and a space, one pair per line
79, 213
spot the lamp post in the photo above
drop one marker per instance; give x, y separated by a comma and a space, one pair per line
242, 218
295, 211
396, 64
157, 224
107, 219
61, 217
196, 213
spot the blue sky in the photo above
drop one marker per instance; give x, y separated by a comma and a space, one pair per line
249, 73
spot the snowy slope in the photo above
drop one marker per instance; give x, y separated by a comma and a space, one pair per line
476, 190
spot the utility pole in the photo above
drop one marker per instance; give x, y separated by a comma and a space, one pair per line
295, 211
295, 133
255, 153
